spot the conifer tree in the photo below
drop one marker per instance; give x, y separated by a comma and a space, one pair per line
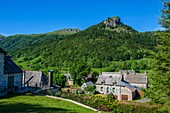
160, 77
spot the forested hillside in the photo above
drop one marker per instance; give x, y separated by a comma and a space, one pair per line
18, 41
98, 46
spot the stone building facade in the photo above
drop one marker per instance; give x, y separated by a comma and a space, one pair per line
124, 86
69, 79
35, 79
10, 74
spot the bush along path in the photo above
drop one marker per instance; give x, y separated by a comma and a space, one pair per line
69, 100
106, 103
80, 104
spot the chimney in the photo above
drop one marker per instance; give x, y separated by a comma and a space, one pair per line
50, 78
24, 74
100, 73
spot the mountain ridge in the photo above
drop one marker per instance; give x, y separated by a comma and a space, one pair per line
97, 46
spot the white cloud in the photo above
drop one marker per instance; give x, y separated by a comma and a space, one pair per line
160, 28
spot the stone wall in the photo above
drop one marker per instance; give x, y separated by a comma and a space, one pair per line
126, 91
3, 78
3, 83
1, 64
18, 80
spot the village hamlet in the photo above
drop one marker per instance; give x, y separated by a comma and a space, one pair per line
124, 85
15, 80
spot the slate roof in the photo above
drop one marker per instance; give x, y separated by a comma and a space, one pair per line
114, 78
127, 71
36, 77
89, 83
2, 51
68, 76
140, 78
132, 88
109, 78
10, 67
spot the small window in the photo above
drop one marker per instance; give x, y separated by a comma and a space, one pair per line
107, 89
113, 89
101, 89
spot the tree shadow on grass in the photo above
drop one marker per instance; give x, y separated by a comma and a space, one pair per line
11, 95
30, 108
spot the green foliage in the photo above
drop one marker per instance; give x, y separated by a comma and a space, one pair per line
58, 94
110, 97
110, 105
94, 76
160, 76
79, 71
159, 88
140, 65
90, 88
60, 80
68, 31
95, 46
165, 17
18, 41
1, 37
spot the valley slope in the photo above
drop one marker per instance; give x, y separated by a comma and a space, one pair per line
98, 46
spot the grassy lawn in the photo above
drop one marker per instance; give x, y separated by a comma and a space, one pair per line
38, 104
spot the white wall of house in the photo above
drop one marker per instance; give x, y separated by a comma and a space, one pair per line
126, 91
83, 86
106, 89
99, 88
116, 90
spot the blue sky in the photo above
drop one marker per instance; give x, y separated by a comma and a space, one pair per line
41, 16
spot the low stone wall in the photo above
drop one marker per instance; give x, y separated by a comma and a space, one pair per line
3, 83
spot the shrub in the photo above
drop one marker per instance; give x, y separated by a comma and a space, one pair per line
90, 88
110, 97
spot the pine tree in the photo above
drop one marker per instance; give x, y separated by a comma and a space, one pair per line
165, 17
160, 76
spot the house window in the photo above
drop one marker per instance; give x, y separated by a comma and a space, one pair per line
107, 89
113, 89
101, 88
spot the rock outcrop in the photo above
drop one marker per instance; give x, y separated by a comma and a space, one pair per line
111, 22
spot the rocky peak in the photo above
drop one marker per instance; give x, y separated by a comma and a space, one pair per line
111, 22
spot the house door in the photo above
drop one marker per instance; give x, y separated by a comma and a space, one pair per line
10, 81
124, 97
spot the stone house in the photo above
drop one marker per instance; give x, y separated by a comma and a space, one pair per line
69, 79
38, 80
10, 74
88, 83
123, 85
35, 79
